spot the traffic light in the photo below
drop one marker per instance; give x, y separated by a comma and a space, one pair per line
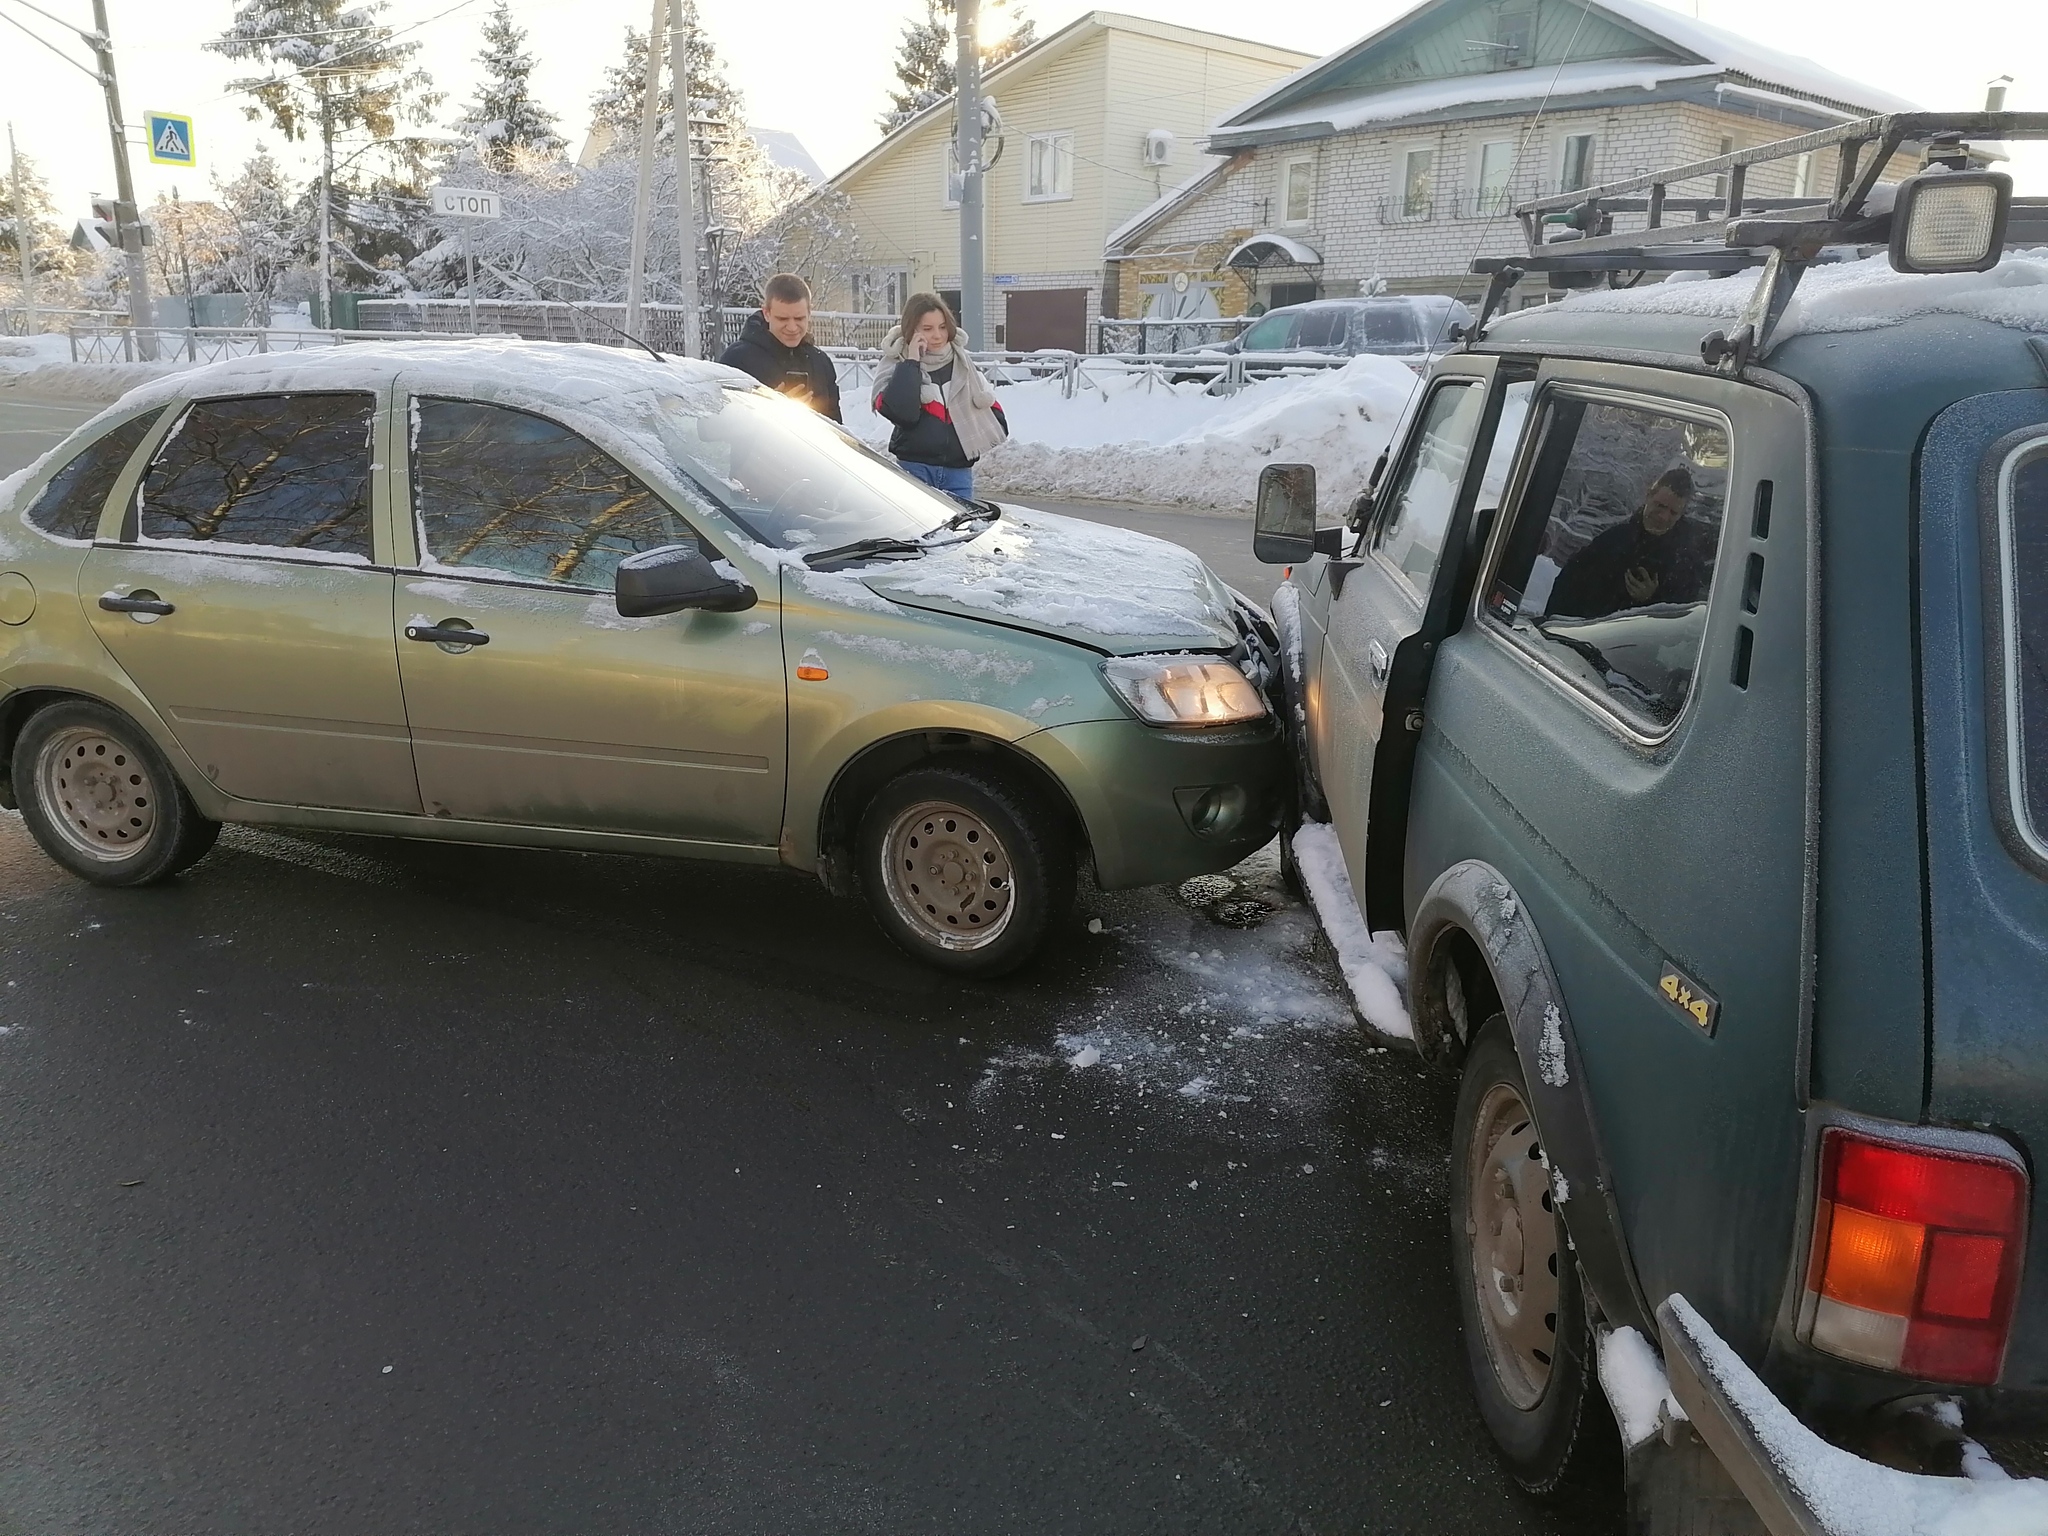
113, 225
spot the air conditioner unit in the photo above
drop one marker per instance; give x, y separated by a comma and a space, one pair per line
1158, 146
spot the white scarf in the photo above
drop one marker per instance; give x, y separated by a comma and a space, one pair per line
968, 396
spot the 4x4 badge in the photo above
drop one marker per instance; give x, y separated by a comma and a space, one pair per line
1689, 997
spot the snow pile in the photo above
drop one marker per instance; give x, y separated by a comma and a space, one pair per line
1375, 964
1854, 1497
1043, 570
1637, 1388
1145, 440
1861, 295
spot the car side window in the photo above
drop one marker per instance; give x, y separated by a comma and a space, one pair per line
273, 473
503, 492
2023, 536
1385, 328
71, 503
1415, 512
1274, 333
1322, 328
1607, 570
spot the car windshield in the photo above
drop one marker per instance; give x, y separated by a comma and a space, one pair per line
792, 479
1386, 328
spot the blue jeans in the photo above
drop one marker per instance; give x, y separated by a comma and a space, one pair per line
957, 483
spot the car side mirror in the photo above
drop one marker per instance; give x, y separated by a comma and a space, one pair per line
675, 577
1284, 522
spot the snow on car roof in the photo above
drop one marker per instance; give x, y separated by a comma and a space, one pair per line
1844, 296
572, 373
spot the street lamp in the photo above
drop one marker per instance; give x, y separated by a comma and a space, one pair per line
327, 170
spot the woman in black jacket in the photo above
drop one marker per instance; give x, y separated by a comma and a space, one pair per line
943, 409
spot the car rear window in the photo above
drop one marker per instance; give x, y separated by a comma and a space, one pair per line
71, 503
2024, 535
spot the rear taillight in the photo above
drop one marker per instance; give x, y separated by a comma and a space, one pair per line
1916, 1257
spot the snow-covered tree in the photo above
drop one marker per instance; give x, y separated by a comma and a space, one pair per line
46, 239
926, 56
505, 119
615, 109
333, 69
192, 240
270, 236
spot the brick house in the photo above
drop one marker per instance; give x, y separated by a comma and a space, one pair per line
1392, 163
1097, 120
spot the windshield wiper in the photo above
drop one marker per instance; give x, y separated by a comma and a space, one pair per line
887, 545
1586, 649
971, 512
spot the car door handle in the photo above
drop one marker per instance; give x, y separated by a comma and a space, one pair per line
442, 634
141, 600
1381, 663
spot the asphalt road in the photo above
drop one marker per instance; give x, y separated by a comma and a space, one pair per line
359, 1185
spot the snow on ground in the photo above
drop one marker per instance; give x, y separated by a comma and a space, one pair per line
1141, 438
1226, 1009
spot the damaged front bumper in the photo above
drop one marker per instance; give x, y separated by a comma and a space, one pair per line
1798, 1483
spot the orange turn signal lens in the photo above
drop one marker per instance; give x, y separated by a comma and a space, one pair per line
1872, 1261
812, 674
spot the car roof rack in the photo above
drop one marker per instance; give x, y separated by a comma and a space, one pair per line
1571, 236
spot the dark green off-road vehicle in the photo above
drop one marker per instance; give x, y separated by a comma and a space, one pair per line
1680, 692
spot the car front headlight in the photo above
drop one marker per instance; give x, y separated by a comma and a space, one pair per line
1184, 691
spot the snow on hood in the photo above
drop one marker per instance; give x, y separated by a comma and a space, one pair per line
1107, 588
1861, 295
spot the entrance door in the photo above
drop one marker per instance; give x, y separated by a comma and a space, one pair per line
1374, 665
569, 715
243, 602
1046, 317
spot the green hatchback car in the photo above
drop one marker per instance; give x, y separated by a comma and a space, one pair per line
565, 596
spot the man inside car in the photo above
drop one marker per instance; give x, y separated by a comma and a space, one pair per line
1658, 555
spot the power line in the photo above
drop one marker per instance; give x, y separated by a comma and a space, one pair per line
21, 27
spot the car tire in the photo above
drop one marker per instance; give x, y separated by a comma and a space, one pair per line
102, 801
1528, 1342
963, 869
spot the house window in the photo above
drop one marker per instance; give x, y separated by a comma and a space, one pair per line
1514, 39
1297, 191
880, 290
953, 178
1418, 182
1721, 182
1578, 163
1496, 166
1049, 167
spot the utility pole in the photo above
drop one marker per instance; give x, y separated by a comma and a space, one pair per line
686, 213
128, 217
967, 105
24, 240
326, 209
643, 198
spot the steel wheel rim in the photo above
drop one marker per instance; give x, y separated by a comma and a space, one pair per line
948, 876
98, 793
1513, 1237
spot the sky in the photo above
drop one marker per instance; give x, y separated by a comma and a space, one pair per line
821, 68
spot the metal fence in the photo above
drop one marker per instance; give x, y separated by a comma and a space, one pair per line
101, 343
859, 368
1159, 336
662, 326
14, 319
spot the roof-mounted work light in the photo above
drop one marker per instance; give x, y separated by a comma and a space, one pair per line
1950, 221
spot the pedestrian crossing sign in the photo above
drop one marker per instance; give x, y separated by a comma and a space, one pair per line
170, 139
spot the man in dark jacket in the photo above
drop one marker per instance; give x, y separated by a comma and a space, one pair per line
775, 347
1658, 556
